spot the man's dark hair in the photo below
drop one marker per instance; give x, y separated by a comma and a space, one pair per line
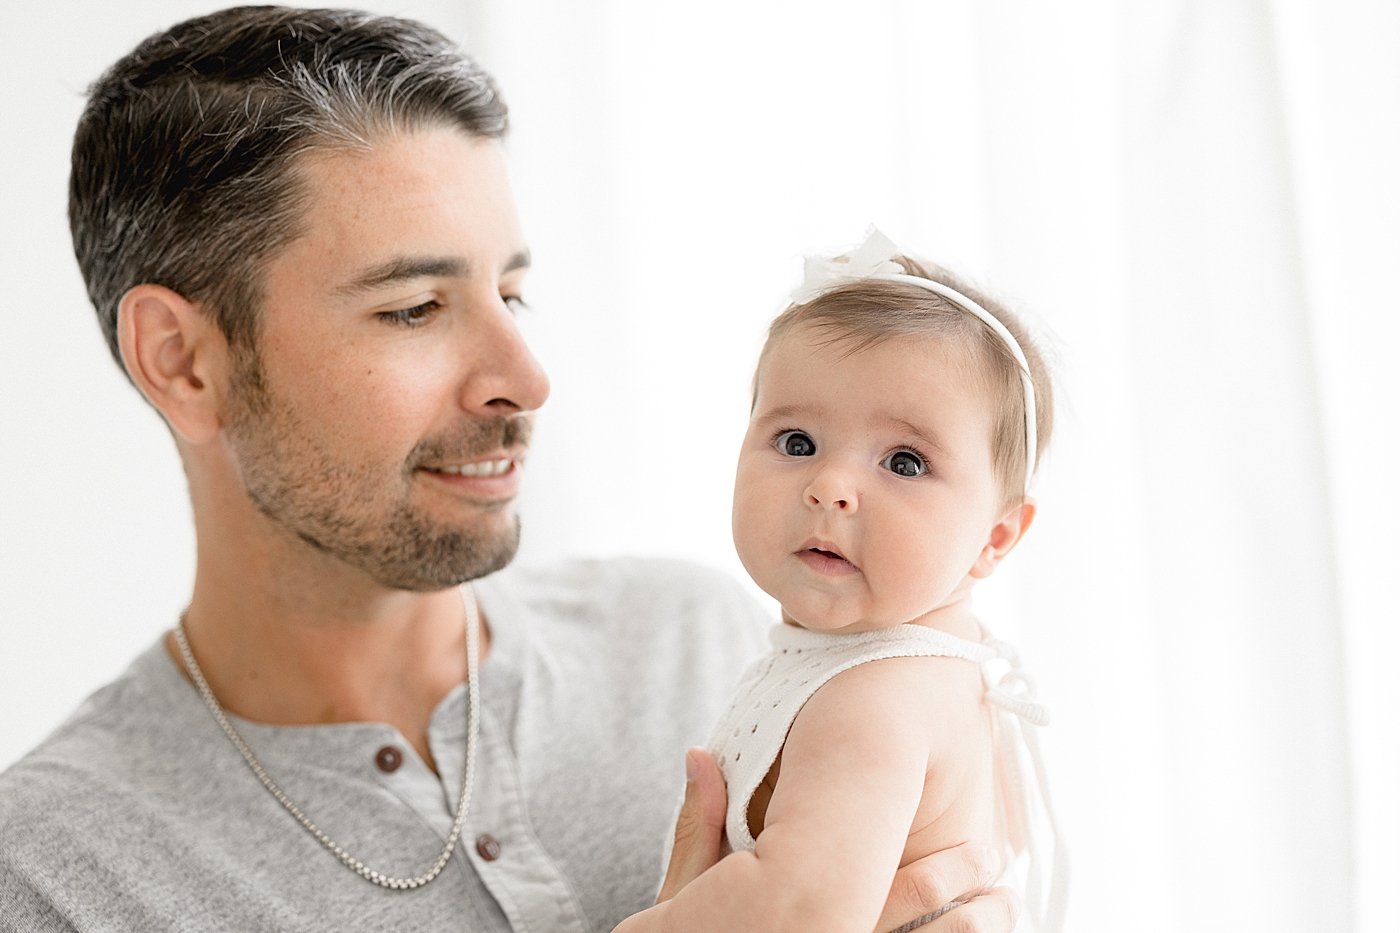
183, 162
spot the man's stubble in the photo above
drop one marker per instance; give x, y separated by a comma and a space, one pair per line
357, 513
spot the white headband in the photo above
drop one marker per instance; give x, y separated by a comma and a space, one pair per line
874, 259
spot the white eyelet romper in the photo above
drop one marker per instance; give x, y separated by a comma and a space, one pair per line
749, 735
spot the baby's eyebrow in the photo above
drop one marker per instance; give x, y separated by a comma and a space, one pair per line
783, 413
919, 434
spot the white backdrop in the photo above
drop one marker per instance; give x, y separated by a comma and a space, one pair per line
1196, 200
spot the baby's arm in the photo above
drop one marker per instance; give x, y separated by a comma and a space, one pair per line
853, 773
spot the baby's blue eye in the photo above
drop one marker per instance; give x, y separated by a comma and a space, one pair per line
905, 463
796, 444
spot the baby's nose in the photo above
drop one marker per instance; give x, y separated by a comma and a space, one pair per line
832, 490
836, 503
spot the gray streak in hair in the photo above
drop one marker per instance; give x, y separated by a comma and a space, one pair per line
184, 161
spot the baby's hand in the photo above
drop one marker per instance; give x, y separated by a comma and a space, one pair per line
923, 890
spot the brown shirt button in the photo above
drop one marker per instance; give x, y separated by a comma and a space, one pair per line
487, 847
388, 759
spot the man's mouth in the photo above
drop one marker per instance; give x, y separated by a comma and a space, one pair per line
494, 478
476, 468
490, 450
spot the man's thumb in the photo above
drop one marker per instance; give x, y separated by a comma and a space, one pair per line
700, 826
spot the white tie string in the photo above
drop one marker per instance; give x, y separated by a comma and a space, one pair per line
1014, 692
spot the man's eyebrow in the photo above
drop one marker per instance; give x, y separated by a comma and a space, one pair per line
405, 268
520, 260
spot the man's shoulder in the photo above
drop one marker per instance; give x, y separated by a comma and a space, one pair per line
43, 798
79, 768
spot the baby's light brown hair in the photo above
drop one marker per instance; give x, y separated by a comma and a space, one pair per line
867, 312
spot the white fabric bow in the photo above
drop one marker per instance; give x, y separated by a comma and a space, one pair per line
872, 258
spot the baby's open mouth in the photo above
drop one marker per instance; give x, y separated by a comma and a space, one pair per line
826, 560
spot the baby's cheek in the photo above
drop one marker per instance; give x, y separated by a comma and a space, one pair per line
754, 528
915, 571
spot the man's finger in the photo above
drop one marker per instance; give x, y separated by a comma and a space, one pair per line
700, 826
993, 912
921, 888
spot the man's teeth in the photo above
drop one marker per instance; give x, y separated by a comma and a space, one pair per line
480, 468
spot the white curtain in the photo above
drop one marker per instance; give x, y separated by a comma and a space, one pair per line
1196, 201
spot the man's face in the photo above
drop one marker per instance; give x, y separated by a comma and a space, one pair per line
386, 416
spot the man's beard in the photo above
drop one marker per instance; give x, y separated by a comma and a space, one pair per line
360, 515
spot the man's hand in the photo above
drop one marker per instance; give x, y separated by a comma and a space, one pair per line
700, 826
960, 874
920, 888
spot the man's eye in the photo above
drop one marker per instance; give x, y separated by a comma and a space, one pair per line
411, 317
515, 303
796, 444
905, 463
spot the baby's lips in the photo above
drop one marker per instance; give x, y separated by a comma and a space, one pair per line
825, 547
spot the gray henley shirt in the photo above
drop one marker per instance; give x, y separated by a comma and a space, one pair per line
138, 814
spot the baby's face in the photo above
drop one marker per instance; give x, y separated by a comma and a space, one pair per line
865, 491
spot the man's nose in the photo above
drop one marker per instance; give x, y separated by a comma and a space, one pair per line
834, 489
505, 377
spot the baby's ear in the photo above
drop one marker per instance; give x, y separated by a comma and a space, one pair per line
1005, 534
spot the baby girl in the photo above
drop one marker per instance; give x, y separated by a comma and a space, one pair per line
897, 418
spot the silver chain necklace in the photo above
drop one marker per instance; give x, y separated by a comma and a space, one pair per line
346, 859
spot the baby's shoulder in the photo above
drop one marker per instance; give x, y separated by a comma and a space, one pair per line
938, 701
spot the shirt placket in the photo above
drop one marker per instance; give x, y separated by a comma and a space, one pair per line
497, 836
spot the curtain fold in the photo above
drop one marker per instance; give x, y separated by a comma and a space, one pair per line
1238, 545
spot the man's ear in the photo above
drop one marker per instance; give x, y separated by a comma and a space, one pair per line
177, 357
1005, 534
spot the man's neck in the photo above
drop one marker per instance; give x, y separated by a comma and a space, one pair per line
286, 635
